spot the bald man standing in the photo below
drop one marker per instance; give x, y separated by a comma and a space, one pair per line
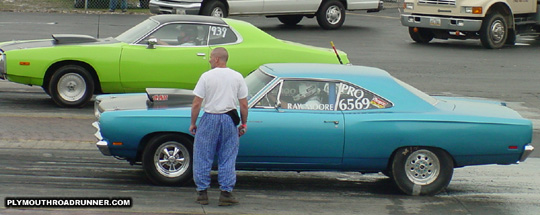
221, 89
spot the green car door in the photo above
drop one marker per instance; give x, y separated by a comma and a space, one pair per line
174, 62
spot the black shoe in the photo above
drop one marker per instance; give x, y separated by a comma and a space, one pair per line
123, 11
202, 197
227, 199
111, 10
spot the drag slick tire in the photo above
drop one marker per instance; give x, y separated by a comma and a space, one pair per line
421, 35
168, 160
290, 20
71, 86
422, 170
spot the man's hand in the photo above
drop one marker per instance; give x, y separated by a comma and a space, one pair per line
242, 129
193, 129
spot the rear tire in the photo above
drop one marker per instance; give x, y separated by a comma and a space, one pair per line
331, 15
422, 35
71, 86
422, 171
168, 160
290, 20
215, 8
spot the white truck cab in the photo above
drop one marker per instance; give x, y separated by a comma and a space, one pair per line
494, 22
330, 13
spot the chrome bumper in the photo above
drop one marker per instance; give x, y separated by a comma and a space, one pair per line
526, 152
191, 8
102, 145
444, 23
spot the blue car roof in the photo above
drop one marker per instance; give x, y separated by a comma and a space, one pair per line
324, 71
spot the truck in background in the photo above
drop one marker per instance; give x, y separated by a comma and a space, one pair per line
330, 13
494, 22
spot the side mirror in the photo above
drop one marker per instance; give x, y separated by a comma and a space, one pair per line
151, 43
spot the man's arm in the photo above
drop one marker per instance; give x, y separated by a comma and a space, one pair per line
243, 116
195, 109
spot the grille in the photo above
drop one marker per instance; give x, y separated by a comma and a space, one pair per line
437, 2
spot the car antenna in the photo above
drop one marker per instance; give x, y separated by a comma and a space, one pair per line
335, 50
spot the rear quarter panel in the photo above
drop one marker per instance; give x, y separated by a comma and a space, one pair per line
102, 58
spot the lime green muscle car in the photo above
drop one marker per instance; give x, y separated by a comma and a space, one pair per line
164, 51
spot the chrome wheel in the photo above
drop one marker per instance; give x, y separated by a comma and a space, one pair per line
333, 14
218, 12
172, 159
422, 167
498, 31
71, 87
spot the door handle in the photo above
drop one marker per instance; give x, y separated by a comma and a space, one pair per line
201, 54
335, 122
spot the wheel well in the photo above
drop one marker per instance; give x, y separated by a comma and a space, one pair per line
344, 2
55, 66
205, 2
148, 137
392, 156
504, 10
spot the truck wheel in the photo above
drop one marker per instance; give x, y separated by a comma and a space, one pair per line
290, 20
71, 86
421, 35
494, 31
422, 171
215, 8
331, 15
167, 160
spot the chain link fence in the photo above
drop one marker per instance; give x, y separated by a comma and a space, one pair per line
91, 6
133, 6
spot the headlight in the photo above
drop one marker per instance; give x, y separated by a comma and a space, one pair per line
472, 10
408, 5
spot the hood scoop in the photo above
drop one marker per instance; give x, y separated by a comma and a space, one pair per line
60, 39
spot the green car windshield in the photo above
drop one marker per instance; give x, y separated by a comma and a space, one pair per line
256, 81
138, 31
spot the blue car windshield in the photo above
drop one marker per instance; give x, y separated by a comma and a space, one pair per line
137, 31
256, 82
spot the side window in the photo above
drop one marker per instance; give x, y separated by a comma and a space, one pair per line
270, 99
352, 97
180, 35
305, 95
221, 35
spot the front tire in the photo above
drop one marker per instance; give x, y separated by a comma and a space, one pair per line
71, 86
168, 160
494, 31
422, 171
421, 35
215, 8
331, 15
290, 20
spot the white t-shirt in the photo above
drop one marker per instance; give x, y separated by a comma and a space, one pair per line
221, 88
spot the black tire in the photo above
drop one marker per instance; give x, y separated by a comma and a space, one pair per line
175, 171
215, 8
71, 86
331, 14
144, 3
421, 35
290, 20
78, 3
494, 31
422, 171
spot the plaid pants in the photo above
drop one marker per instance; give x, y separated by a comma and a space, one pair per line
216, 133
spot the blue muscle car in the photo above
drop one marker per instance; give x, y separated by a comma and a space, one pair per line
323, 117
